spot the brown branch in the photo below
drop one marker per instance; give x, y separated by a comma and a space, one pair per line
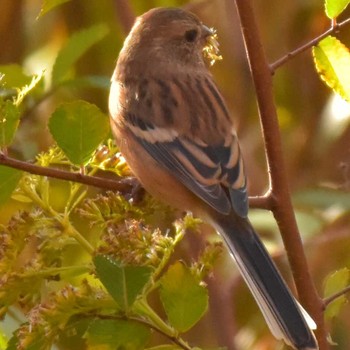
125, 185
109, 184
282, 205
327, 301
334, 29
261, 202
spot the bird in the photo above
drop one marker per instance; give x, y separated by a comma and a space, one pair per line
176, 133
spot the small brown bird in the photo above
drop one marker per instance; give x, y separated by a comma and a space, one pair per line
177, 135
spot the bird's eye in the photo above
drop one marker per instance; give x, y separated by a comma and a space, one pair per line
191, 35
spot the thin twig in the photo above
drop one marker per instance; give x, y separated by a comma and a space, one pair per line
280, 192
172, 338
144, 322
100, 182
261, 202
333, 29
327, 301
124, 185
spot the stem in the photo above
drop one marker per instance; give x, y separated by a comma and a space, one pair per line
280, 194
261, 202
74, 233
74, 190
63, 220
124, 185
38, 200
333, 29
55, 270
142, 307
100, 182
168, 253
158, 324
178, 341
335, 296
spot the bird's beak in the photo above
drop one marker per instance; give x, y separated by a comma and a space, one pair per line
211, 48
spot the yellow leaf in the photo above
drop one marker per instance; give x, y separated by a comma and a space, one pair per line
332, 61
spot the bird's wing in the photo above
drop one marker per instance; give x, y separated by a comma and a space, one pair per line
213, 173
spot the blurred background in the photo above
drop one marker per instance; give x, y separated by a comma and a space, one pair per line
315, 127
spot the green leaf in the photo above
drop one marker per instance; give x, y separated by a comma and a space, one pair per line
185, 301
116, 334
35, 343
75, 47
124, 283
332, 61
333, 284
49, 5
335, 7
78, 128
3, 340
8, 181
9, 121
13, 343
14, 76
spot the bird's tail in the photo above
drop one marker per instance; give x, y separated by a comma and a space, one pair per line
285, 317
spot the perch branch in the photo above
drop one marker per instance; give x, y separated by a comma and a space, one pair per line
115, 185
334, 29
125, 185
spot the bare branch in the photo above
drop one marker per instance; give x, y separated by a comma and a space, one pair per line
123, 185
280, 193
335, 296
261, 202
109, 184
334, 29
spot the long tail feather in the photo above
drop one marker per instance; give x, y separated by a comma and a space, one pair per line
285, 317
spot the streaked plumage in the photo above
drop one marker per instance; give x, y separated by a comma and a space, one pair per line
176, 133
